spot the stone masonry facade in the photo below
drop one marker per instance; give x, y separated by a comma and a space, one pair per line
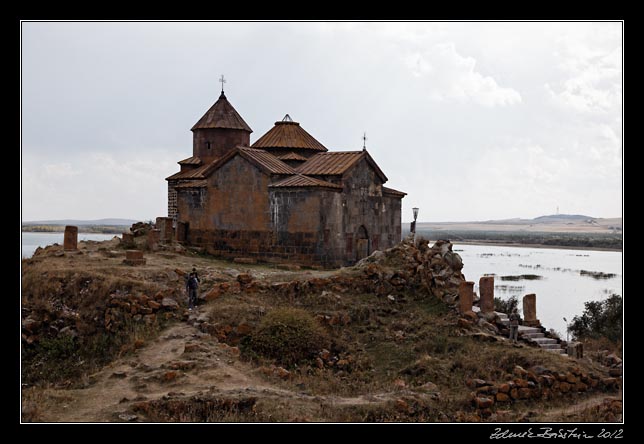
313, 207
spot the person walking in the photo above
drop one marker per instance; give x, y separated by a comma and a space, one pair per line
514, 325
192, 285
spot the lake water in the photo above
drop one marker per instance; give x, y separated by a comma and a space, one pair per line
31, 241
562, 289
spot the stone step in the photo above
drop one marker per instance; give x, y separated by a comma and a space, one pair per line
533, 335
545, 341
551, 346
524, 329
559, 351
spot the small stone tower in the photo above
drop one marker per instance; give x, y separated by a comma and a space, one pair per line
219, 130
216, 134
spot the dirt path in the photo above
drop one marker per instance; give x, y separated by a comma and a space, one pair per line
183, 361
180, 360
562, 412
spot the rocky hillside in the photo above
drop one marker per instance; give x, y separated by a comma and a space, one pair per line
381, 341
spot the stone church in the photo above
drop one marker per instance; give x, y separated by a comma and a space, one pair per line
286, 197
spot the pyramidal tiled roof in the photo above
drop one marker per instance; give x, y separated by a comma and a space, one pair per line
291, 156
301, 181
288, 135
222, 115
337, 163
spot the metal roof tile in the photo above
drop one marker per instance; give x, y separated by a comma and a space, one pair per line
222, 115
288, 134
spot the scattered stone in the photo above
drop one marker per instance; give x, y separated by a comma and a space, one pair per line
483, 402
169, 376
169, 303
282, 373
475, 383
429, 387
490, 328
502, 397
403, 406
399, 383
471, 316
244, 278
243, 329
520, 371
128, 417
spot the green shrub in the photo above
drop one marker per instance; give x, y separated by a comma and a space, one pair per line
600, 319
506, 305
287, 335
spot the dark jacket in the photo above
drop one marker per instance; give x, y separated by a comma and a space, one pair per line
193, 282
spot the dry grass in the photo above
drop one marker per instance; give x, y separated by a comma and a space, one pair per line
389, 349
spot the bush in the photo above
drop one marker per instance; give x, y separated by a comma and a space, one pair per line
600, 319
287, 335
506, 305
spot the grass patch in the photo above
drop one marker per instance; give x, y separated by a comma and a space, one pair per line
67, 359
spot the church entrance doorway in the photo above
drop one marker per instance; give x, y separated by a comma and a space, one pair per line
362, 243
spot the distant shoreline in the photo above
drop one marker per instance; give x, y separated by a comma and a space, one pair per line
81, 229
555, 247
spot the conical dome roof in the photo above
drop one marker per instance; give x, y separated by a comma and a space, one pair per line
222, 115
288, 135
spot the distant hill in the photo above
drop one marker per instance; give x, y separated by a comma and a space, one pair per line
552, 223
113, 221
560, 217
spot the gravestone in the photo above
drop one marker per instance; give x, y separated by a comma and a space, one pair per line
575, 350
70, 242
465, 296
134, 257
154, 236
486, 287
127, 239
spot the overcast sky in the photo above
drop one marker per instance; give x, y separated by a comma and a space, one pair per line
475, 121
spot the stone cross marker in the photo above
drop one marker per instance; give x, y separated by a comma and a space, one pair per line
70, 242
486, 286
154, 236
134, 257
530, 310
128, 239
465, 296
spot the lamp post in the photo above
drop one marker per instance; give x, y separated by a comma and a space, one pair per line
413, 225
566, 321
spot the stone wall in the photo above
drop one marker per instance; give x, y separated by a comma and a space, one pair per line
537, 383
172, 197
239, 215
222, 140
404, 268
